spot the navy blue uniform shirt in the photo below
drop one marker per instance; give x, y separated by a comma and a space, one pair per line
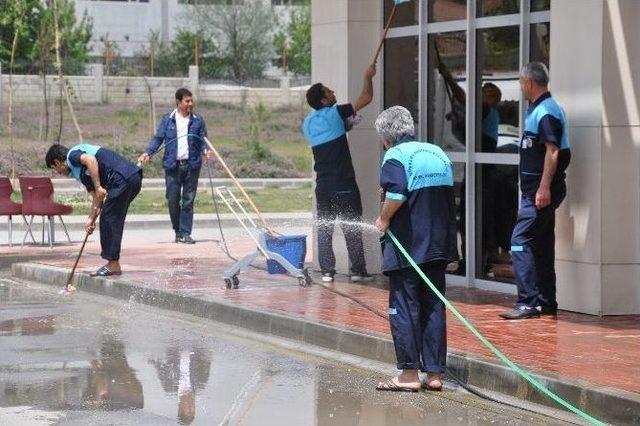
421, 175
114, 169
326, 132
545, 122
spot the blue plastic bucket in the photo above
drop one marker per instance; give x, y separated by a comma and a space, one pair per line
291, 247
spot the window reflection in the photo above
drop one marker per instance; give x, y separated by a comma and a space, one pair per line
458, 268
539, 44
401, 73
497, 7
447, 80
496, 211
497, 111
407, 14
540, 5
446, 10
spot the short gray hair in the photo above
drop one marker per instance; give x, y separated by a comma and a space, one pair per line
394, 122
537, 72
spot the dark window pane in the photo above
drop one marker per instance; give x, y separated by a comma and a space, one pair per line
447, 80
458, 268
447, 10
401, 73
540, 5
496, 212
498, 90
539, 48
497, 7
407, 14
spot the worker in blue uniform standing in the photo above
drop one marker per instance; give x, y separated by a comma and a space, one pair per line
337, 193
417, 182
544, 156
113, 181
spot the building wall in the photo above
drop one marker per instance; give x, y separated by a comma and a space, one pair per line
598, 233
129, 23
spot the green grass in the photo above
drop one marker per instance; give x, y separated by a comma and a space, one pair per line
127, 129
154, 202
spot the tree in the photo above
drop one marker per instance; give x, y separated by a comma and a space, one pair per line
293, 45
36, 34
243, 35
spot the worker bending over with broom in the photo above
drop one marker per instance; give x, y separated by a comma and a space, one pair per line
113, 181
417, 180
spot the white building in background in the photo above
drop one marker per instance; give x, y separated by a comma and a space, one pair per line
129, 22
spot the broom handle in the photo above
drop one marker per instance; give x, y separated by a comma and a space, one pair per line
237, 183
75, 264
384, 34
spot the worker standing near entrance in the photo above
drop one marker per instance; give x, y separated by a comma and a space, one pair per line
337, 193
419, 208
544, 156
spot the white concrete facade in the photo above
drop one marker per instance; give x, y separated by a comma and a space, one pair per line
595, 75
130, 23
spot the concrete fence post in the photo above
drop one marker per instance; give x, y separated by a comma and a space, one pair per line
285, 88
98, 77
194, 79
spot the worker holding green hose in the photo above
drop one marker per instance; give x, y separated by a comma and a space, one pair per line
417, 181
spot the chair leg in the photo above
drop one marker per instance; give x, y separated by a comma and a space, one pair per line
65, 228
10, 232
28, 230
50, 231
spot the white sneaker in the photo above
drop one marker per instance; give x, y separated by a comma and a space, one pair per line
327, 277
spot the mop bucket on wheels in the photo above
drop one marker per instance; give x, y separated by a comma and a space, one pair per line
284, 254
291, 247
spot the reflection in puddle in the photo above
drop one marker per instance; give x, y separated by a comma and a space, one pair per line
183, 372
123, 364
112, 383
33, 326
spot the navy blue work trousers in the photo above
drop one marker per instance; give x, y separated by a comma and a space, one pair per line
113, 215
182, 184
533, 251
346, 206
418, 318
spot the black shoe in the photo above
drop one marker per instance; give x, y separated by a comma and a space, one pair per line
361, 277
548, 310
522, 312
177, 240
186, 239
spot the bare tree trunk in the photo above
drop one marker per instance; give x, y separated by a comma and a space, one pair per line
152, 105
46, 103
17, 26
64, 89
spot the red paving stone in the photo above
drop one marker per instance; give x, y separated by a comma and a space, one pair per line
602, 351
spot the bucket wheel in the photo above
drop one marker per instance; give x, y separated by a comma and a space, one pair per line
304, 280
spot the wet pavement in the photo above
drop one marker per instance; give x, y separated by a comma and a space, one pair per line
601, 352
93, 360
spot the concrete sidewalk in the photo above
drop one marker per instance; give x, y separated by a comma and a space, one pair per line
589, 361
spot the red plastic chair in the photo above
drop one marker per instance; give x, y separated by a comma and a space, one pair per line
10, 208
37, 193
